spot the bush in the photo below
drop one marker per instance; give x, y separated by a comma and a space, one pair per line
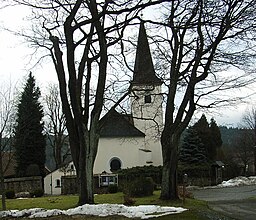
10, 194
128, 200
37, 193
112, 188
129, 174
22, 195
143, 186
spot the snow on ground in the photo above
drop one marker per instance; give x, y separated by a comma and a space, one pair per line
239, 181
142, 211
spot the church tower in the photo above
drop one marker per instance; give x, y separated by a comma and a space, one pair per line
146, 98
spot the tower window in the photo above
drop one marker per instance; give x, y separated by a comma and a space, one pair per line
148, 99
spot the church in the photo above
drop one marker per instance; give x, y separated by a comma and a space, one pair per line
129, 140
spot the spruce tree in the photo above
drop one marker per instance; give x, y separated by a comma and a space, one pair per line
210, 136
203, 130
215, 139
192, 151
29, 141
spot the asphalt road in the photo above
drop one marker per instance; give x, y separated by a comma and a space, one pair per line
235, 202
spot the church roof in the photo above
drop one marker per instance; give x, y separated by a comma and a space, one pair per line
144, 72
115, 124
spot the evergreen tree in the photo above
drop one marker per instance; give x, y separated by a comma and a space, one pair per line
210, 136
192, 151
202, 126
29, 141
203, 130
216, 140
215, 132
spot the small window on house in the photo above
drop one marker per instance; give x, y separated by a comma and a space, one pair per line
115, 164
104, 181
72, 167
57, 183
108, 179
147, 98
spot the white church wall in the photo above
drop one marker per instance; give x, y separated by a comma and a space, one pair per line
127, 150
156, 148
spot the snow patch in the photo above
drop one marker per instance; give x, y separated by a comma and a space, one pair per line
142, 211
239, 181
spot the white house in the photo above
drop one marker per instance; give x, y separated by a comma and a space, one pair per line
52, 181
129, 140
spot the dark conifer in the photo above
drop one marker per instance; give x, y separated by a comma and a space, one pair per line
29, 141
215, 138
210, 136
192, 151
203, 130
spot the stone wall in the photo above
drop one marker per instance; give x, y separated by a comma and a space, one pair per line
69, 185
24, 184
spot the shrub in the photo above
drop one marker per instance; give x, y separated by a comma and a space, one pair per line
10, 194
37, 193
129, 174
22, 195
112, 188
128, 200
143, 186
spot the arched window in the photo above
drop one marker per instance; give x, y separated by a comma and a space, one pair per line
57, 183
115, 164
147, 99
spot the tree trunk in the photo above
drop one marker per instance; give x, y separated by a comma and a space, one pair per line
82, 179
58, 156
90, 182
86, 183
2, 188
85, 174
169, 189
254, 149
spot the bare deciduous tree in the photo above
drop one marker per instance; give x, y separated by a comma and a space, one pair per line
198, 44
203, 38
244, 148
55, 125
6, 122
249, 121
82, 32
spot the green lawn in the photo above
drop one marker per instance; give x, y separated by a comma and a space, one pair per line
197, 209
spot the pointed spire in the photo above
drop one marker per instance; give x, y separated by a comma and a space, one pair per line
144, 73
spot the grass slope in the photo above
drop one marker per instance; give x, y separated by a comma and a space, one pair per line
198, 210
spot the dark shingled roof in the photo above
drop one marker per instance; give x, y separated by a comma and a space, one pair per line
9, 164
144, 72
218, 163
115, 124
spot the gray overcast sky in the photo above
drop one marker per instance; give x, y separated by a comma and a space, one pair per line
15, 62
15, 54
